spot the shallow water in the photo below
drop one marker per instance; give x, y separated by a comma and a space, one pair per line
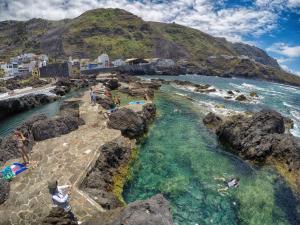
180, 159
51, 109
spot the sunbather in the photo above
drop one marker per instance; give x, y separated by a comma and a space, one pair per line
19, 137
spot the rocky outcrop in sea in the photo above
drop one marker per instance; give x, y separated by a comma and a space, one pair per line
261, 137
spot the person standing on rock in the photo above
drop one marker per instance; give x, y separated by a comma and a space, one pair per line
21, 146
60, 196
93, 96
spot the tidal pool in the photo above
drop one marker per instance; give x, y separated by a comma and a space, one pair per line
180, 158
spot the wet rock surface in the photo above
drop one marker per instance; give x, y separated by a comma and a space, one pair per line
241, 98
258, 137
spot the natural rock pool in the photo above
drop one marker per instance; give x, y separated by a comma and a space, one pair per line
180, 159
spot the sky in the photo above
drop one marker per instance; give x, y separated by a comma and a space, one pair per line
273, 25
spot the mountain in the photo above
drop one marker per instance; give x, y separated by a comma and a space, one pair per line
124, 35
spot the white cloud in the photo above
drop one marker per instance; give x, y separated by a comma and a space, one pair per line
278, 4
232, 23
286, 50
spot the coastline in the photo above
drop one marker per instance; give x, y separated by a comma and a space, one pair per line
84, 206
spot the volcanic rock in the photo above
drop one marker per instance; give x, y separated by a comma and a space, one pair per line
12, 106
128, 122
55, 127
212, 120
112, 84
241, 98
259, 137
58, 216
99, 181
254, 94
154, 211
105, 102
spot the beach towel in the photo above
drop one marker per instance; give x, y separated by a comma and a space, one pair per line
137, 103
9, 172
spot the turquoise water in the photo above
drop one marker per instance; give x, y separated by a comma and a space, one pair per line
180, 159
51, 109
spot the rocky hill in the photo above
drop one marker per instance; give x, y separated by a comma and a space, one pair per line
124, 35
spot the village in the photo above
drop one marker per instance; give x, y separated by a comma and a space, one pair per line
41, 65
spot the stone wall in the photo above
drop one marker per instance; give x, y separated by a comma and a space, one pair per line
56, 70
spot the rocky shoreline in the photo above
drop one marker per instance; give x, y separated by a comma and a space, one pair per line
105, 180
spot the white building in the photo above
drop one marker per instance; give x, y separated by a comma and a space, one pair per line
118, 62
103, 60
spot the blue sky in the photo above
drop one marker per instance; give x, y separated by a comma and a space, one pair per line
273, 25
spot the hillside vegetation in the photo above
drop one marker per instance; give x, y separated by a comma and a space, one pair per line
124, 35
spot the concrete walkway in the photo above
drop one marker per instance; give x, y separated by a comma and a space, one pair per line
66, 159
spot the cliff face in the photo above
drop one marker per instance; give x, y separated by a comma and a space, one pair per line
124, 35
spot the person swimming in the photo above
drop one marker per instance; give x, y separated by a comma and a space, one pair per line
231, 183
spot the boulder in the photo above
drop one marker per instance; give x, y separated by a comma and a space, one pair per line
253, 94
128, 122
4, 190
61, 90
112, 84
154, 211
241, 98
105, 102
230, 92
259, 137
58, 216
55, 127
149, 112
